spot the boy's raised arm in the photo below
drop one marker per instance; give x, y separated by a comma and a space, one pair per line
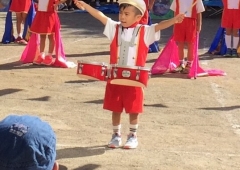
167, 23
94, 12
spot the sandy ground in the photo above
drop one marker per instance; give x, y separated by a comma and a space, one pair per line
187, 124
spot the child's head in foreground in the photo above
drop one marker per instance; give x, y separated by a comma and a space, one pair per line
131, 11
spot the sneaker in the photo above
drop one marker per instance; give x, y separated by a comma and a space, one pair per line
179, 68
234, 53
20, 40
39, 60
48, 60
23, 42
186, 70
132, 142
228, 53
116, 141
65, 8
70, 9
17, 39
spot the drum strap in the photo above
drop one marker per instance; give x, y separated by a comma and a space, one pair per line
135, 33
124, 45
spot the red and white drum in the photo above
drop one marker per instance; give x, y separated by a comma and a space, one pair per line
129, 75
92, 70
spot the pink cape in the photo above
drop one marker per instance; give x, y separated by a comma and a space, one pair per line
168, 60
32, 49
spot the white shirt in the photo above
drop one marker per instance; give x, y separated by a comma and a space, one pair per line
186, 6
233, 4
43, 5
150, 36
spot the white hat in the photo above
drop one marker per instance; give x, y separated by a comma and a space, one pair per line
139, 4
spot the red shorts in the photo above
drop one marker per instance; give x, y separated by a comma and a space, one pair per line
20, 6
185, 31
44, 23
231, 18
119, 97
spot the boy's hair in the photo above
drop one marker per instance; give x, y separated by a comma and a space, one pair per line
136, 10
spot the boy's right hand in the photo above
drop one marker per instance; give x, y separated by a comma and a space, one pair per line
179, 18
79, 4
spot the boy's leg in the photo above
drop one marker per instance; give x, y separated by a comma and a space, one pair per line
18, 27
132, 141
18, 23
23, 16
235, 42
20, 17
48, 60
228, 40
116, 140
41, 57
190, 57
181, 57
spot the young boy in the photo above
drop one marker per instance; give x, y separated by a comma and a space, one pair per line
185, 32
121, 34
231, 22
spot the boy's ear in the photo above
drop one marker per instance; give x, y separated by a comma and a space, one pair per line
139, 17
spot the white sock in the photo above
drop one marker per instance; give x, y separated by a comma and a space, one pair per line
228, 41
117, 129
133, 129
20, 35
42, 54
235, 42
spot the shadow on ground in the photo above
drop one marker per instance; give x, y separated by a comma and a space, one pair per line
78, 152
4, 92
228, 108
84, 167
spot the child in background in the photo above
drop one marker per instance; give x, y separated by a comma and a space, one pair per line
125, 53
21, 8
185, 32
231, 23
44, 24
149, 5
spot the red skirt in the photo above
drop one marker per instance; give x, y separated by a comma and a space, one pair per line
20, 6
44, 22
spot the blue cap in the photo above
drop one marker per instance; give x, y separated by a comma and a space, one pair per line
26, 143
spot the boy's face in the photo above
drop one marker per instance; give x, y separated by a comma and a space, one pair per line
128, 16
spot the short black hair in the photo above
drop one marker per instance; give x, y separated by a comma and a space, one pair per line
124, 5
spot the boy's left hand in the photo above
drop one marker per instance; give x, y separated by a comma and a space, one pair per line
179, 18
199, 28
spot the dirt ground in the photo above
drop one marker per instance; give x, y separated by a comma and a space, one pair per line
186, 125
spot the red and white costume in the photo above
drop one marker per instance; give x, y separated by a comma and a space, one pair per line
45, 18
231, 14
186, 31
119, 97
20, 6
144, 19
